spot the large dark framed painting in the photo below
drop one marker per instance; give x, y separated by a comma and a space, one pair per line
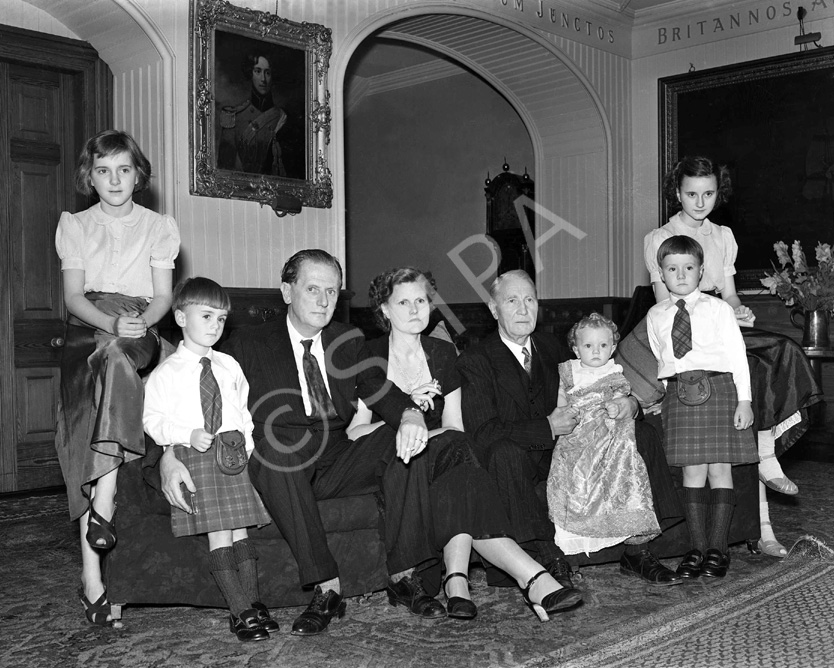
259, 107
771, 121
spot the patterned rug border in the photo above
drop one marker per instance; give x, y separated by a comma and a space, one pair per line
809, 559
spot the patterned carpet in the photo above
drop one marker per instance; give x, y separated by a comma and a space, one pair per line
766, 612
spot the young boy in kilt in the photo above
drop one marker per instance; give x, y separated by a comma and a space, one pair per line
191, 397
707, 410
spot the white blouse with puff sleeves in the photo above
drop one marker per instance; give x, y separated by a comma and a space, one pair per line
718, 242
117, 254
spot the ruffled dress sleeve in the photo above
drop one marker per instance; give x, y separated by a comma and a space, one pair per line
651, 242
730, 251
166, 243
69, 240
442, 364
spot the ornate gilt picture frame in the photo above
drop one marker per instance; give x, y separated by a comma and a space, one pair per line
259, 107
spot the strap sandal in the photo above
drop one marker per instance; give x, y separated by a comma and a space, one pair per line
101, 534
556, 601
457, 606
782, 483
98, 612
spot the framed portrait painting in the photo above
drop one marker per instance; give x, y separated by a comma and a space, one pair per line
259, 107
771, 122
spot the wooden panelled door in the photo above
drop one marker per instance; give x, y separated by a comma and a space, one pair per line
54, 94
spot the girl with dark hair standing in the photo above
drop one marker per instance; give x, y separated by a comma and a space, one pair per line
783, 382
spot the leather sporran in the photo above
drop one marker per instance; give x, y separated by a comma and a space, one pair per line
694, 387
230, 452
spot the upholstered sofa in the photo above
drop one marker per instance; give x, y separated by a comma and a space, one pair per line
150, 566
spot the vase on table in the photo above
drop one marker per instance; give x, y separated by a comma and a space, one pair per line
814, 326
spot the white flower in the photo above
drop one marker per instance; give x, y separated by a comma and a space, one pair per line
799, 263
823, 253
770, 283
781, 249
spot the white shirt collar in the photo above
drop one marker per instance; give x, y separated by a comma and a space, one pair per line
690, 299
516, 347
296, 338
190, 355
705, 228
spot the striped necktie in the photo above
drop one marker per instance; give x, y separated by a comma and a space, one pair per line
210, 398
681, 331
528, 361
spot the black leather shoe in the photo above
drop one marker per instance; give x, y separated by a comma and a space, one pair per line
561, 571
715, 564
457, 606
690, 567
409, 592
246, 626
645, 565
265, 619
318, 614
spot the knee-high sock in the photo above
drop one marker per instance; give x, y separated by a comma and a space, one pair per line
722, 505
224, 570
247, 568
696, 502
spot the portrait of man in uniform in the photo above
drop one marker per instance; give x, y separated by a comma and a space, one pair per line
260, 102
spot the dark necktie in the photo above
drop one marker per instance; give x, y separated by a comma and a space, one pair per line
528, 361
210, 398
681, 331
320, 402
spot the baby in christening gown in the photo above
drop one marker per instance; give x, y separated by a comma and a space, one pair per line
598, 490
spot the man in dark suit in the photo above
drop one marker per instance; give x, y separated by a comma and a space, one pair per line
510, 391
302, 453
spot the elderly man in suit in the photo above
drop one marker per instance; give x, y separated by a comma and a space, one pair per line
302, 454
511, 383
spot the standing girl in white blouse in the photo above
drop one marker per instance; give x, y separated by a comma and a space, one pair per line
784, 386
117, 259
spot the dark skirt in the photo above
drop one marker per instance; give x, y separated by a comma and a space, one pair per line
100, 408
705, 434
782, 383
463, 498
222, 502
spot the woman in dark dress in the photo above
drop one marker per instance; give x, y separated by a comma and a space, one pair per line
466, 512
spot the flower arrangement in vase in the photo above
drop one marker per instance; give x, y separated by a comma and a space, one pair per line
810, 288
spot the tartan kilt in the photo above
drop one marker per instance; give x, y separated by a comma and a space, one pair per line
705, 434
224, 502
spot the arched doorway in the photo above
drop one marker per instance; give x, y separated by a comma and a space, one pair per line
422, 133
569, 134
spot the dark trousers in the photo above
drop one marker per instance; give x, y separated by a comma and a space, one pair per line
518, 472
667, 503
291, 483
